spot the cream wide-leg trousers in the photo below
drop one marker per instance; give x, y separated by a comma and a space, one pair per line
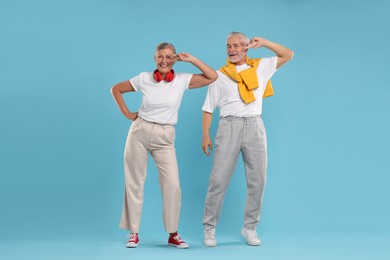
145, 137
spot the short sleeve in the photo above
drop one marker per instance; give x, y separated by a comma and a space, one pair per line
267, 67
185, 79
136, 82
212, 98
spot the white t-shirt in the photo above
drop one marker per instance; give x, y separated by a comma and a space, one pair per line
160, 100
223, 92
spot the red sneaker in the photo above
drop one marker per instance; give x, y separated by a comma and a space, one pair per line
133, 240
175, 240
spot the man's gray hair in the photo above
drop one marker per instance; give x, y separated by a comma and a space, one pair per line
244, 38
165, 45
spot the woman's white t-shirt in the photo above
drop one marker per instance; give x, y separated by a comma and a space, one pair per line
160, 100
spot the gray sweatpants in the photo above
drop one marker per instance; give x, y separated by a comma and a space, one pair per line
238, 134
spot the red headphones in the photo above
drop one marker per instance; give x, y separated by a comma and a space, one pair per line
168, 78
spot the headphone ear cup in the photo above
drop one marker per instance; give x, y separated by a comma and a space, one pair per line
170, 76
157, 76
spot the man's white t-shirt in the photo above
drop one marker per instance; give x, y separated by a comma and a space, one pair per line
160, 100
223, 92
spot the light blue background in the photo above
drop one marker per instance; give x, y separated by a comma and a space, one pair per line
62, 136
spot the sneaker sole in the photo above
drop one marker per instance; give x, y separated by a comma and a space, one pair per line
252, 244
179, 246
131, 245
210, 242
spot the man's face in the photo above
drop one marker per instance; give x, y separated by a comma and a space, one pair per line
164, 60
235, 50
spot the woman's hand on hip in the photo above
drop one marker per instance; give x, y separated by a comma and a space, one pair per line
132, 116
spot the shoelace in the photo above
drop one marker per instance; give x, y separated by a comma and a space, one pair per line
133, 237
210, 233
177, 238
252, 234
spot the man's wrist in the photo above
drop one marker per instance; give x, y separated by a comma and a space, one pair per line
266, 43
205, 135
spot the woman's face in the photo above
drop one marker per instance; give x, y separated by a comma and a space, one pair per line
165, 59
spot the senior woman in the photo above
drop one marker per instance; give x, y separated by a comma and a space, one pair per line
153, 130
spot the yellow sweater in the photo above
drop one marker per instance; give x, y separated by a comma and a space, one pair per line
246, 79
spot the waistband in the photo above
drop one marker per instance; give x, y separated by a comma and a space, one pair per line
153, 123
242, 119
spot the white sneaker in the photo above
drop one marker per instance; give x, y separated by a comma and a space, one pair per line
250, 237
209, 237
